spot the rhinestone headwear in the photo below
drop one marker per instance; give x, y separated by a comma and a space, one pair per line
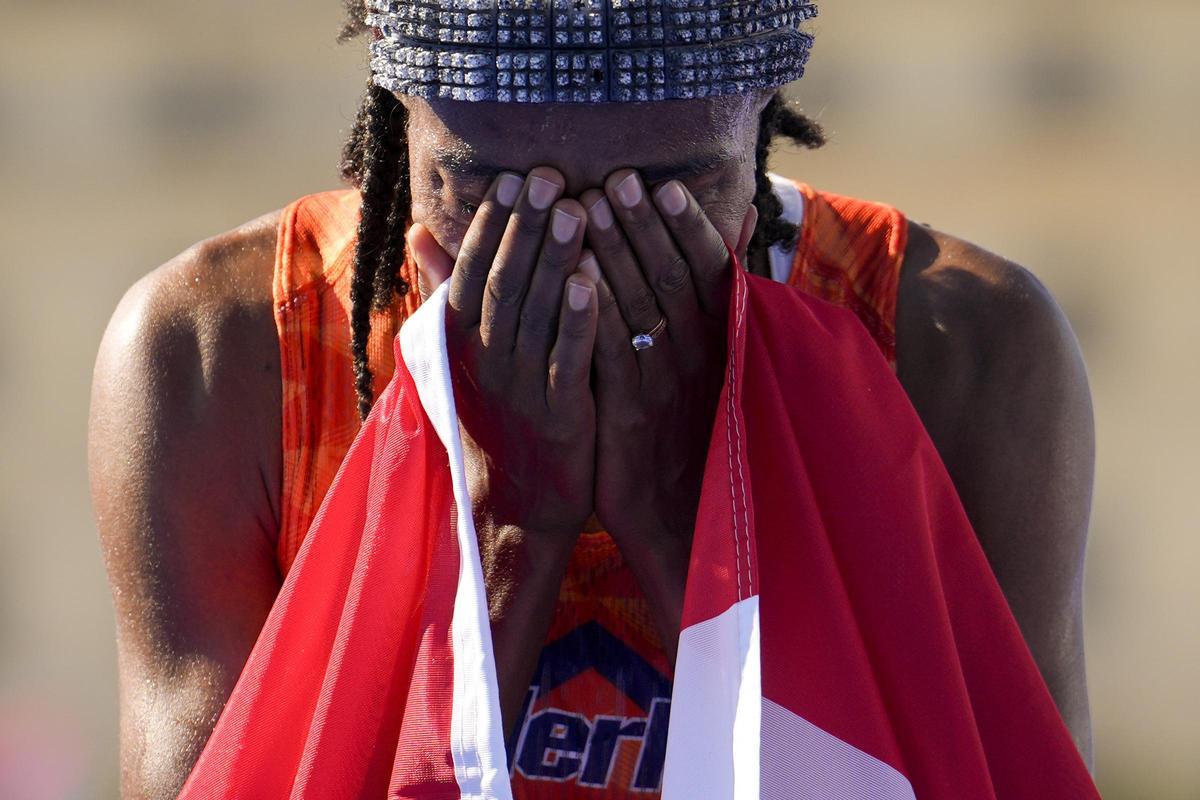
586, 51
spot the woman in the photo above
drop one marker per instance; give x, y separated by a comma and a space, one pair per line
232, 380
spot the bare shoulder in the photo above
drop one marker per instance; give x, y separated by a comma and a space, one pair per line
990, 362
967, 318
977, 331
222, 276
193, 340
215, 280
192, 343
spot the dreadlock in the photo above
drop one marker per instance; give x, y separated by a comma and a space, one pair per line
375, 160
777, 119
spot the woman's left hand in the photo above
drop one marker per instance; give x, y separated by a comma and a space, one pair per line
662, 261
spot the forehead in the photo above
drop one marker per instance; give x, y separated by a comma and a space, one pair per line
586, 142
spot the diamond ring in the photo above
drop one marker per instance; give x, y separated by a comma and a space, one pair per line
645, 340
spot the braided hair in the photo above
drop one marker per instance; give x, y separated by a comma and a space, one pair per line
375, 161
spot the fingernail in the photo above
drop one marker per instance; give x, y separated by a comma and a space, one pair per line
542, 193
589, 266
601, 214
564, 226
509, 188
629, 191
578, 296
671, 198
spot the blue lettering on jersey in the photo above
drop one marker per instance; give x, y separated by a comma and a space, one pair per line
654, 748
555, 742
560, 745
607, 733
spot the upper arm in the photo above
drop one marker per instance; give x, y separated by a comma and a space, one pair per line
996, 374
179, 436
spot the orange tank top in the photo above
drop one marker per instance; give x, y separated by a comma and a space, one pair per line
595, 718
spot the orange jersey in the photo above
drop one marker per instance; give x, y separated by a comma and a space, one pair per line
595, 718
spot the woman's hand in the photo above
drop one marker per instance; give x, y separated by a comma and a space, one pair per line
661, 259
520, 328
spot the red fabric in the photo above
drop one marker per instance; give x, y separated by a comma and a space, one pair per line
319, 709
881, 621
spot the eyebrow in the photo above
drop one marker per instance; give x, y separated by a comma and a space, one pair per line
462, 163
691, 167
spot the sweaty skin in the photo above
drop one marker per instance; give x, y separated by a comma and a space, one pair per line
184, 435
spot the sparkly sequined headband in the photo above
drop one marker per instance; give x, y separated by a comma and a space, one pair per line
586, 51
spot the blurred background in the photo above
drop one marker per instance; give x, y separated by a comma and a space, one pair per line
1060, 134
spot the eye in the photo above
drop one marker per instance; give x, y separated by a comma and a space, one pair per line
466, 208
706, 194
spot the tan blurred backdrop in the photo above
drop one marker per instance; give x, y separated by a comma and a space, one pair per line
1061, 134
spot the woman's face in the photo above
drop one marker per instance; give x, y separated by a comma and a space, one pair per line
457, 148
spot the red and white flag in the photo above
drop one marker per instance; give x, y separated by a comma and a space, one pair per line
842, 637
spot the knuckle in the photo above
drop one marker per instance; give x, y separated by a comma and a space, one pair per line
674, 276
538, 321
555, 259
641, 304
561, 375
504, 293
608, 246
575, 327
639, 222
573, 335
473, 267
526, 225
606, 302
491, 214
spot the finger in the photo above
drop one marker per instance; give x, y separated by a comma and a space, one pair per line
662, 262
613, 356
478, 249
516, 256
567, 381
701, 244
636, 301
434, 265
538, 322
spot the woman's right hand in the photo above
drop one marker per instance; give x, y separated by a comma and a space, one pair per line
520, 327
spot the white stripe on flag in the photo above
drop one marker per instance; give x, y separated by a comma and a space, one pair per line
716, 706
803, 762
476, 732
